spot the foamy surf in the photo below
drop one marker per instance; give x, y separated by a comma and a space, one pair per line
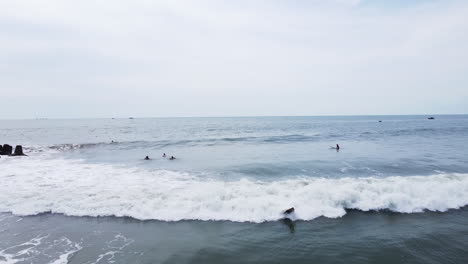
34, 185
28, 250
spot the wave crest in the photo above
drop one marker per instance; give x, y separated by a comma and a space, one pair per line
32, 186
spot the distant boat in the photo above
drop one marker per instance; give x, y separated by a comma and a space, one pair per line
431, 118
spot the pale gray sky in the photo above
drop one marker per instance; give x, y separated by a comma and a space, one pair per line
113, 58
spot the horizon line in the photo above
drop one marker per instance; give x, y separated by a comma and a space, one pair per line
227, 116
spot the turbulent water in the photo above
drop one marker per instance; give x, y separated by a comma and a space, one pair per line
240, 170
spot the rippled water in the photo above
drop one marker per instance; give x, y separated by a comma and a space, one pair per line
246, 171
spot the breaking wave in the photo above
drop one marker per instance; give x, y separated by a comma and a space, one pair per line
191, 142
31, 185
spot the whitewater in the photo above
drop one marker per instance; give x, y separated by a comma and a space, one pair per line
396, 191
35, 185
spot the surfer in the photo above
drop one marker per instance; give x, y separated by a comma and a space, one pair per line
164, 155
172, 158
147, 158
337, 147
289, 211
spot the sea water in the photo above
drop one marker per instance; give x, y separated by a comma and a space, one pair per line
395, 191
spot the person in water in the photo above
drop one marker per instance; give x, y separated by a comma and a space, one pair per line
147, 158
164, 155
172, 158
337, 147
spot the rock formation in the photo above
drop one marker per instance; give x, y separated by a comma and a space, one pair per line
7, 149
18, 151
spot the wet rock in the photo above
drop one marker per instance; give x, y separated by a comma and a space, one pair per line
18, 151
7, 149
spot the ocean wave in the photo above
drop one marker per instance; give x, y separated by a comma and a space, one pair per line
65, 147
191, 142
31, 185
425, 131
260, 139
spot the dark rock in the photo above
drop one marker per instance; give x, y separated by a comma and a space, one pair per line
7, 149
289, 211
1, 149
18, 151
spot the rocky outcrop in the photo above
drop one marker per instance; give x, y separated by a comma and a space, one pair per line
7, 149
18, 151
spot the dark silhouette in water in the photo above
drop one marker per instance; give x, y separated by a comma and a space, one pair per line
290, 224
164, 155
7, 150
147, 158
431, 118
289, 211
337, 147
172, 158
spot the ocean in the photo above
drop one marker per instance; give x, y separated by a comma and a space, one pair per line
395, 192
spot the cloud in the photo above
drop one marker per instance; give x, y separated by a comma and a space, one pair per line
203, 58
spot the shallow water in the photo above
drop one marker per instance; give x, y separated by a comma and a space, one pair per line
408, 172
358, 237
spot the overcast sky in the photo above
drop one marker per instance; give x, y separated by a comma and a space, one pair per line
113, 58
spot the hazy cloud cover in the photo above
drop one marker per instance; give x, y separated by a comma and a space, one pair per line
103, 58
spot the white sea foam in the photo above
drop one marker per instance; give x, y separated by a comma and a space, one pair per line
21, 252
30, 185
70, 249
114, 247
40, 247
